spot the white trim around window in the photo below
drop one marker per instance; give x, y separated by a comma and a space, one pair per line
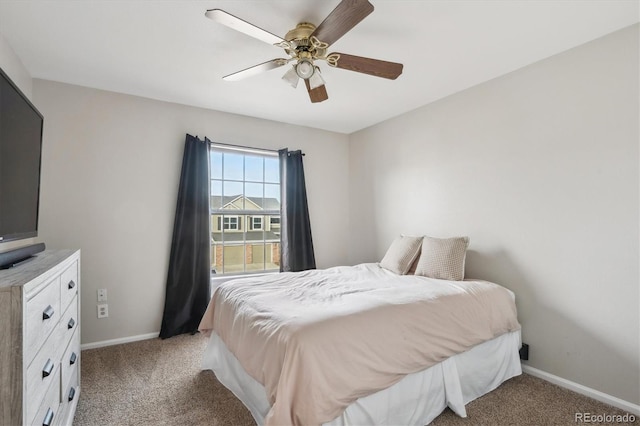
256, 223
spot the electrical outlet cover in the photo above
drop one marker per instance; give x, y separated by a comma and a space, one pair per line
103, 311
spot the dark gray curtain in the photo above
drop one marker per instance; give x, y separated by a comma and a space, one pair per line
296, 249
188, 281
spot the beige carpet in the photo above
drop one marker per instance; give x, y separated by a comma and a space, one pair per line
159, 382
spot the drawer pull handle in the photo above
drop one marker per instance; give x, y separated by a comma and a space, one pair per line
72, 394
71, 284
73, 358
71, 323
47, 313
48, 418
48, 368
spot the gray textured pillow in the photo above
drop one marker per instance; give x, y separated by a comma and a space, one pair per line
401, 254
443, 258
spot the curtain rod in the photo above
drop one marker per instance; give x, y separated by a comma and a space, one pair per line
243, 148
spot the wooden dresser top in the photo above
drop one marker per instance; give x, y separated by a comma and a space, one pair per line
32, 268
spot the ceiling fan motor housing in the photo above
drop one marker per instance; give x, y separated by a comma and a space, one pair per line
300, 36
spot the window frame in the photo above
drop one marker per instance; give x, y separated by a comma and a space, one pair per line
253, 227
226, 223
243, 214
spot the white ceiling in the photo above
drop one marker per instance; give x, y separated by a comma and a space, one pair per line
168, 50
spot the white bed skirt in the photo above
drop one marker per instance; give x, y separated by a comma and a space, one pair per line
415, 400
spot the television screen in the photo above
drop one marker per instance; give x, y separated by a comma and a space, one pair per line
20, 152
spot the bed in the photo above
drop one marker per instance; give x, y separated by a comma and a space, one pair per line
360, 344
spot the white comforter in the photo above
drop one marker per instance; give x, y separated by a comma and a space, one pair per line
318, 340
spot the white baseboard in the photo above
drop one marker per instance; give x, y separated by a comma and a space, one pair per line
119, 341
583, 390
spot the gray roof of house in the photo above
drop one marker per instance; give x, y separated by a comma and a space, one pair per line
218, 202
234, 236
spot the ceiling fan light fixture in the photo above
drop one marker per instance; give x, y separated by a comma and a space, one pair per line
291, 77
304, 68
316, 79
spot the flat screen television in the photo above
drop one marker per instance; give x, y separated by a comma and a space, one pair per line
20, 155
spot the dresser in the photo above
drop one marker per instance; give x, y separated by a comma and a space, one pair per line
40, 340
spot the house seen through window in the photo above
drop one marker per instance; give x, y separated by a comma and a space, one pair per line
245, 211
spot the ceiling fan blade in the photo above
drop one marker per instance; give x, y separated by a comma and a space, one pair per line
344, 17
224, 18
256, 69
375, 67
318, 94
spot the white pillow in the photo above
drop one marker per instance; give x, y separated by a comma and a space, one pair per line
443, 258
401, 254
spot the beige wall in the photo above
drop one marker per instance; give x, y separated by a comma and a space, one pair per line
111, 166
540, 169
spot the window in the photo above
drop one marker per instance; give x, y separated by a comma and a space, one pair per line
256, 223
231, 222
245, 210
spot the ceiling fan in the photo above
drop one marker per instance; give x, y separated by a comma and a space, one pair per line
306, 44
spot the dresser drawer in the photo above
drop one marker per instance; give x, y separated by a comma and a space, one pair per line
69, 323
41, 317
49, 408
68, 284
70, 360
70, 395
43, 371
